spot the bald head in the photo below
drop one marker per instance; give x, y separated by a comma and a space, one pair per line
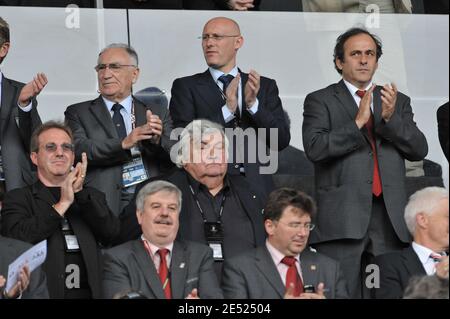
226, 23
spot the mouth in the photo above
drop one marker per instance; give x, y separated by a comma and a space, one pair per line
163, 222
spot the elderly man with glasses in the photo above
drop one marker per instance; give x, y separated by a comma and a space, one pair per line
125, 141
285, 267
58, 208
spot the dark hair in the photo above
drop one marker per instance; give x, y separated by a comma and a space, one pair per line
283, 197
340, 42
4, 33
34, 144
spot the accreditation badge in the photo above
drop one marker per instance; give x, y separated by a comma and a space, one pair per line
134, 172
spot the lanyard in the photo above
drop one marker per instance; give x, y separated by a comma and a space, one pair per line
152, 256
222, 205
133, 117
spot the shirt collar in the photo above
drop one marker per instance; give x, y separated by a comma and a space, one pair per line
126, 103
353, 88
154, 249
197, 186
422, 252
216, 74
277, 256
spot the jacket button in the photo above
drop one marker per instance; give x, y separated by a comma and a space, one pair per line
236, 166
369, 181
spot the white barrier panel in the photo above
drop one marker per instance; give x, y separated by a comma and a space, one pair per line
293, 48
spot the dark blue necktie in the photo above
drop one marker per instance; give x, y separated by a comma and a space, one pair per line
118, 121
226, 80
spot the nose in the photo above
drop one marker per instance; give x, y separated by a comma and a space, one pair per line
363, 60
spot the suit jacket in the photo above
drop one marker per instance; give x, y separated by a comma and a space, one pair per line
223, 4
343, 161
255, 276
442, 119
251, 201
199, 97
396, 269
400, 6
95, 134
10, 249
16, 128
28, 215
129, 267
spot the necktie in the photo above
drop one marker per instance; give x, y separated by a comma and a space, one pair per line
376, 185
292, 276
164, 273
226, 80
118, 121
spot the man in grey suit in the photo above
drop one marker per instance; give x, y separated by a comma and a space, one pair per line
358, 136
285, 267
126, 141
30, 285
18, 119
156, 265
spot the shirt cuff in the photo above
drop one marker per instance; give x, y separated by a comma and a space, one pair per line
254, 108
27, 108
227, 115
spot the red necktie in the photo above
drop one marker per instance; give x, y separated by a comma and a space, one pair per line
164, 272
292, 276
376, 185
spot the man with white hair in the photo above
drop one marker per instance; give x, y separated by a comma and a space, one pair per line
426, 216
221, 210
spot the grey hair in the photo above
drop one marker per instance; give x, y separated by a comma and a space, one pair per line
128, 48
193, 133
422, 201
155, 187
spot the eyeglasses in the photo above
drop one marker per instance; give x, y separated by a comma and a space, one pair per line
297, 226
66, 147
115, 67
216, 37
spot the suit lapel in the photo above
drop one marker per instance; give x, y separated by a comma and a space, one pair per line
146, 264
41, 192
140, 111
178, 270
265, 264
412, 262
377, 110
208, 90
103, 117
8, 93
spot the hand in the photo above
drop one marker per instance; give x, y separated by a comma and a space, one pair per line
388, 100
193, 294
290, 292
232, 93
364, 112
442, 268
32, 89
156, 126
80, 174
67, 191
240, 5
144, 132
319, 294
252, 88
20, 286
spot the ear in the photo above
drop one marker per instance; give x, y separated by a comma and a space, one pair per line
339, 64
139, 216
269, 226
422, 220
33, 157
135, 75
4, 50
239, 43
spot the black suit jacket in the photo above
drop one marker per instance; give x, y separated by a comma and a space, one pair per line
16, 128
95, 134
396, 269
10, 249
442, 119
28, 215
199, 97
251, 201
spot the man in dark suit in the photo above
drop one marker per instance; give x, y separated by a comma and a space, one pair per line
156, 265
285, 266
18, 119
72, 218
126, 141
358, 136
30, 285
234, 99
442, 120
426, 216
221, 210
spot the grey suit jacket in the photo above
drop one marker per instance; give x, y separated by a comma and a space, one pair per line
95, 134
343, 161
128, 267
254, 275
10, 249
16, 127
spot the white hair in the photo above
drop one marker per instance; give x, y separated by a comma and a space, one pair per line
193, 134
128, 48
422, 201
155, 187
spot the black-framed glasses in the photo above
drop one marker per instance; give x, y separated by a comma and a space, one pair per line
112, 66
216, 37
66, 147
